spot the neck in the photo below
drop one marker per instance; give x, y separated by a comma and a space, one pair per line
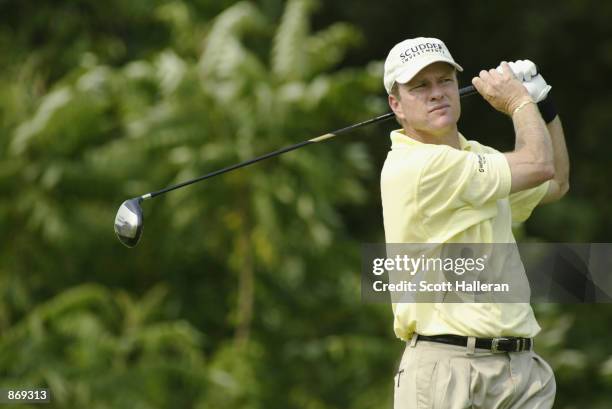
448, 137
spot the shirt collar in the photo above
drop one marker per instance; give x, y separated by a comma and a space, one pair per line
399, 139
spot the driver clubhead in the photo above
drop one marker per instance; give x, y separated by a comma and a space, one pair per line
129, 222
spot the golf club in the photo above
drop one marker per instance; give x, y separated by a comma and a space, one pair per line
129, 219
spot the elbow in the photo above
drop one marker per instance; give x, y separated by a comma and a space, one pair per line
541, 170
546, 171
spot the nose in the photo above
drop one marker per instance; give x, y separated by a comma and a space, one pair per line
436, 92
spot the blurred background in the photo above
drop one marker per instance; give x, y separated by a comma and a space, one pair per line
245, 290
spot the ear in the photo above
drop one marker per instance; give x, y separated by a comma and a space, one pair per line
396, 107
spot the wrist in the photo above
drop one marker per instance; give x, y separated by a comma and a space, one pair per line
547, 108
518, 104
521, 106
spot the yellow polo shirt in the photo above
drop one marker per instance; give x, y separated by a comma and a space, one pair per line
438, 194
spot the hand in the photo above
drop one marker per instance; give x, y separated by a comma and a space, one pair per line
527, 72
503, 91
523, 70
538, 88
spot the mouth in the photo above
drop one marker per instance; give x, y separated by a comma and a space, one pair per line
439, 108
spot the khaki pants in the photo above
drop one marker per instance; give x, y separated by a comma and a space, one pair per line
439, 376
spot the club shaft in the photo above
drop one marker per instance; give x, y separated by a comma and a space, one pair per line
228, 169
463, 92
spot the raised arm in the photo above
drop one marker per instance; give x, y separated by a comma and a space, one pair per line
531, 163
559, 185
526, 71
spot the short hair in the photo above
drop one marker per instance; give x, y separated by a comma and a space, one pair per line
395, 90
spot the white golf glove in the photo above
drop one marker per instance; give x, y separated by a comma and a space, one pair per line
527, 72
523, 70
538, 88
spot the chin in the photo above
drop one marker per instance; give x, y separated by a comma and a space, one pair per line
444, 123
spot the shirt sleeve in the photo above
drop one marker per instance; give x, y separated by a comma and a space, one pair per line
522, 203
453, 179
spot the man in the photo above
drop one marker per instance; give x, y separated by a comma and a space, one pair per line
439, 187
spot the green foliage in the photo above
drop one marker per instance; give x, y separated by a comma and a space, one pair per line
97, 348
230, 272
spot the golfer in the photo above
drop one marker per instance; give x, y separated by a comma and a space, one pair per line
439, 187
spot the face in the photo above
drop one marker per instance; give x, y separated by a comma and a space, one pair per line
428, 105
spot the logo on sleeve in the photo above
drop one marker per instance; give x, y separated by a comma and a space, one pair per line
482, 162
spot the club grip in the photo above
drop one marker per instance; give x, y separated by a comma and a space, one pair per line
467, 91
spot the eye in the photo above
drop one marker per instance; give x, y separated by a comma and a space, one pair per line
418, 86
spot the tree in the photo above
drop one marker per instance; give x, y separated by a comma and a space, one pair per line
249, 259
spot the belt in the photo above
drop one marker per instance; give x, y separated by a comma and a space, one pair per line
500, 344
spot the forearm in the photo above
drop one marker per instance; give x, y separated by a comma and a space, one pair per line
559, 185
532, 135
531, 162
560, 155
533, 142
